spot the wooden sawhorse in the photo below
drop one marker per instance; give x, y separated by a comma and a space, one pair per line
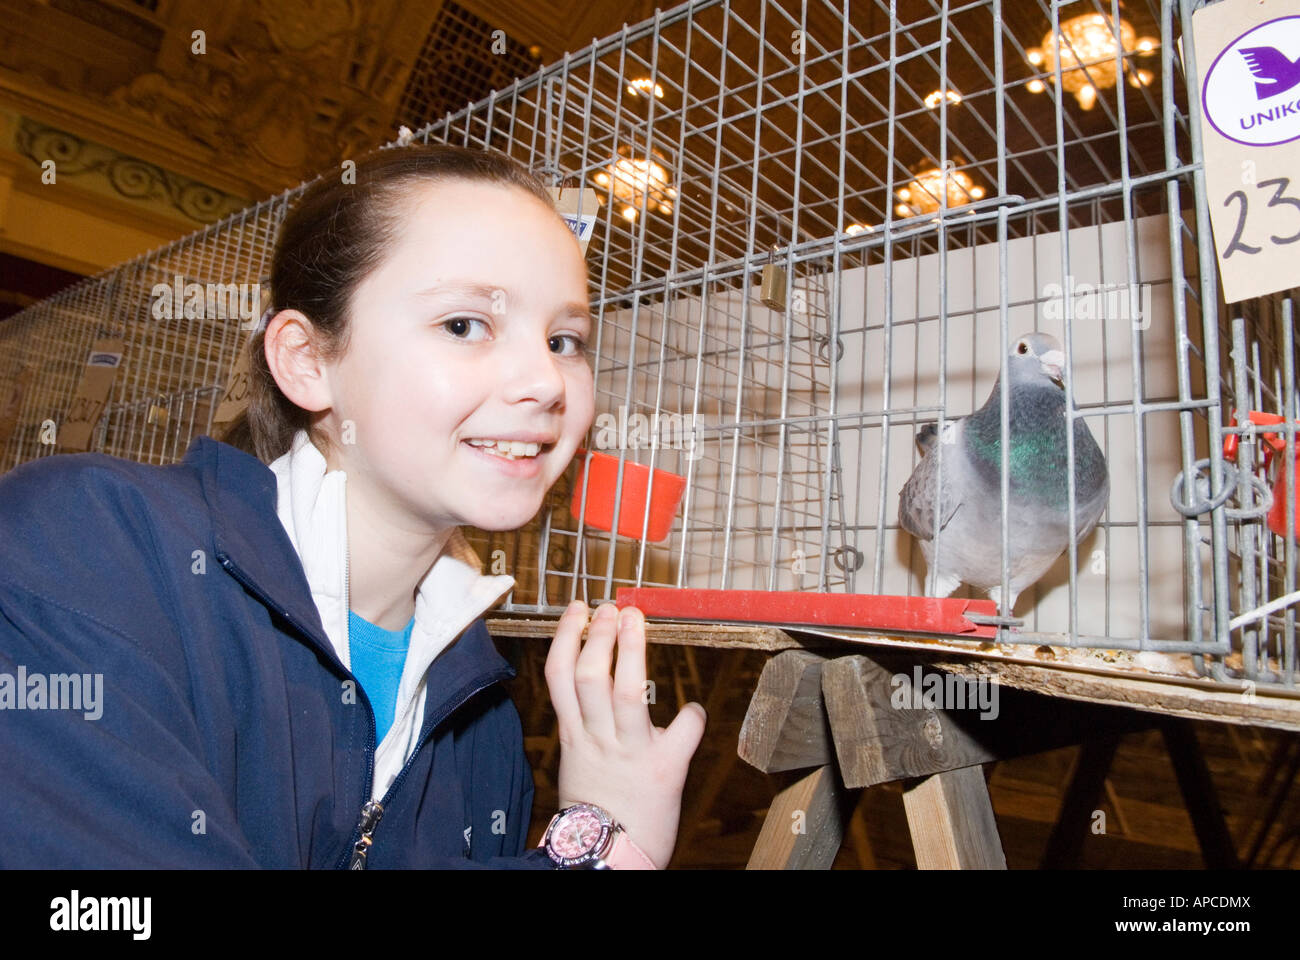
852, 720
833, 715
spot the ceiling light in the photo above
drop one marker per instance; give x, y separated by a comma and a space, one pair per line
1087, 49
642, 87
636, 181
922, 194
935, 98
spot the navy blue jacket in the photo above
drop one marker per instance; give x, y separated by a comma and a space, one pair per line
225, 738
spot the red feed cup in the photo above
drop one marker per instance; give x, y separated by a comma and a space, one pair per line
1277, 515
664, 501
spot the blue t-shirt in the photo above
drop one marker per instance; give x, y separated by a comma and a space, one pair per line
378, 656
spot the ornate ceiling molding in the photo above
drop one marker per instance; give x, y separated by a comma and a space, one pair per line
246, 96
129, 177
250, 97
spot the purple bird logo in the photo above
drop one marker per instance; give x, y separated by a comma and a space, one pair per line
1274, 72
1250, 93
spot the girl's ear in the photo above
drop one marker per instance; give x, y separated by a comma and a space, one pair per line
294, 363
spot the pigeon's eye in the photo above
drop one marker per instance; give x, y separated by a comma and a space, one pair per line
1022, 347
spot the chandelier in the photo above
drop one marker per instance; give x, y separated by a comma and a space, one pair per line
644, 86
1086, 48
933, 100
921, 195
631, 180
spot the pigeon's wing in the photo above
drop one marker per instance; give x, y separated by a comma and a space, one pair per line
1092, 482
1089, 511
1265, 62
923, 495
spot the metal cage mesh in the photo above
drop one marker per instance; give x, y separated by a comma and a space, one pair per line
918, 232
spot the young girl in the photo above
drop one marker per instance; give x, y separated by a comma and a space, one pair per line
294, 666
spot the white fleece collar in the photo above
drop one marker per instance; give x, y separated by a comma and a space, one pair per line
312, 506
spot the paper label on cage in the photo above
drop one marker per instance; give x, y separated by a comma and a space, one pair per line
235, 398
579, 208
12, 404
97, 379
1248, 56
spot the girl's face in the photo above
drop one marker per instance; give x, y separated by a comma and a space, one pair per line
471, 329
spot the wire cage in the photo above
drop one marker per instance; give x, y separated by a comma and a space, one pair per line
821, 226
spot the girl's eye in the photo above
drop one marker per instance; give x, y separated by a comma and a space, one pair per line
579, 345
459, 326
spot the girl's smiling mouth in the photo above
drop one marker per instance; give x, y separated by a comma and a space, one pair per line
510, 448
520, 458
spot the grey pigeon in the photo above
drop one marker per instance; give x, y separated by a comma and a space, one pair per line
969, 502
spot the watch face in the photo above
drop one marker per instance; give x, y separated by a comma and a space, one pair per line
577, 833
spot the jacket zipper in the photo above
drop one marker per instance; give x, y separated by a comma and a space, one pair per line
369, 817
327, 649
371, 811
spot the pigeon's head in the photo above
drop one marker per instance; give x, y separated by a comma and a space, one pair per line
1037, 357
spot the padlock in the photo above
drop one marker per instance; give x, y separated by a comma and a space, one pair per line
772, 289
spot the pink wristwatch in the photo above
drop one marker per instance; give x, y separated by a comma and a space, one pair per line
584, 836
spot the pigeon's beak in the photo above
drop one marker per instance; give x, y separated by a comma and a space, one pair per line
1053, 362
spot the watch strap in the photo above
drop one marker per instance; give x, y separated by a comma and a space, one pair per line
626, 855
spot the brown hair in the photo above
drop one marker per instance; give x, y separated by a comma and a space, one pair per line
332, 239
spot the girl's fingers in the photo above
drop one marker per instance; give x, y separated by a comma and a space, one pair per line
631, 710
684, 734
561, 661
591, 675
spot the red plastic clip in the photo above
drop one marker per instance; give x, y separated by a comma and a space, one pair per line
1274, 442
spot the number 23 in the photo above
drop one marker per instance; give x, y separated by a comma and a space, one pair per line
1236, 244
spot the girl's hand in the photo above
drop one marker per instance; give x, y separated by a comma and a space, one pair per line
610, 753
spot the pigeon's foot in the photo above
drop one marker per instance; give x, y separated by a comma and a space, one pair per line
995, 594
941, 585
